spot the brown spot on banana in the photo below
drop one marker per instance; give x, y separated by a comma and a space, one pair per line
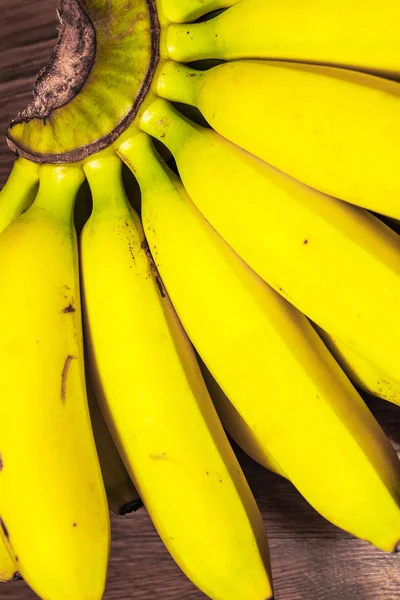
69, 309
64, 375
160, 286
4, 529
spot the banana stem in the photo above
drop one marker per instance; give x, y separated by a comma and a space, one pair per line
187, 43
140, 155
179, 83
162, 121
105, 180
58, 187
19, 191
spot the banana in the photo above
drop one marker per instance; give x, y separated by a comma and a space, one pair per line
181, 11
60, 540
360, 371
157, 408
121, 493
264, 82
332, 129
19, 191
265, 355
236, 426
8, 566
361, 35
218, 93
335, 262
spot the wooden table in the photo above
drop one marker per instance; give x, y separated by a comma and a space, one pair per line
311, 559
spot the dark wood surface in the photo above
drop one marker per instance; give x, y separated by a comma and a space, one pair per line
312, 560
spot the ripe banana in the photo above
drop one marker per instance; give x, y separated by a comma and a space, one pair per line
360, 35
265, 355
156, 405
60, 539
121, 493
19, 191
335, 130
361, 372
8, 566
180, 11
236, 426
227, 93
335, 262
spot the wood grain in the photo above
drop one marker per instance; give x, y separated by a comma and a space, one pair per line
312, 560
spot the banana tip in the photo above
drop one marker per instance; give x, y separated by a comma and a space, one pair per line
397, 548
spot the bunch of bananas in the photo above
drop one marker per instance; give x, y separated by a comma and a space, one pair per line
251, 290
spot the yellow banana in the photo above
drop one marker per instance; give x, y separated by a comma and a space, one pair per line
293, 103
121, 493
335, 262
19, 191
60, 540
361, 35
236, 426
8, 566
157, 408
180, 11
362, 373
335, 130
265, 355
230, 92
